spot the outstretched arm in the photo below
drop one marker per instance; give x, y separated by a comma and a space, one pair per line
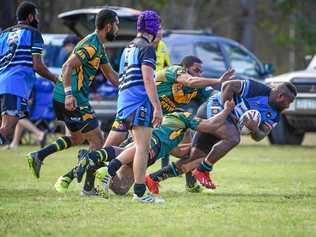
201, 82
109, 73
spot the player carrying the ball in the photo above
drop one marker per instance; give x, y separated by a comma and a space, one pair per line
207, 149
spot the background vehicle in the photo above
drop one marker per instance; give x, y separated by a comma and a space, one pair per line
301, 116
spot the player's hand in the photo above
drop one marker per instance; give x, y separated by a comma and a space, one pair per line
70, 103
229, 105
250, 123
157, 117
228, 75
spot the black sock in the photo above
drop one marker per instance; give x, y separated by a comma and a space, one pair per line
2, 140
71, 173
102, 155
190, 179
61, 143
139, 189
114, 166
165, 173
89, 181
205, 167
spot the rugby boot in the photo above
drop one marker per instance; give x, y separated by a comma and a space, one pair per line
204, 178
152, 185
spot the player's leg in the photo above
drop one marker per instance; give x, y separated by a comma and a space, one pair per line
12, 108
230, 139
117, 134
105, 175
74, 122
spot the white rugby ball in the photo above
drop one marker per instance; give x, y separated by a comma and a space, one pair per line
251, 114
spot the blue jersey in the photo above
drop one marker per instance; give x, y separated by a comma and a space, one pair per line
253, 95
17, 44
132, 92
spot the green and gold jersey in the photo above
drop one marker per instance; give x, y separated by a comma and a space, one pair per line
91, 54
171, 93
172, 129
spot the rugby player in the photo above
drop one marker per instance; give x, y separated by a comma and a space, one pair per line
165, 140
71, 93
207, 149
21, 49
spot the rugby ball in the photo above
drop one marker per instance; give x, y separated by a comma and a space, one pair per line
251, 114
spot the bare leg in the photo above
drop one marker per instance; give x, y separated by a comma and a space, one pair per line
7, 124
17, 136
142, 139
115, 138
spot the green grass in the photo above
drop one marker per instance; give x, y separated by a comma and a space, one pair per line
262, 191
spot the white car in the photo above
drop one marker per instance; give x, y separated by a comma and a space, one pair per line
301, 116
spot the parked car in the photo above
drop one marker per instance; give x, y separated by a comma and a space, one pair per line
217, 53
301, 116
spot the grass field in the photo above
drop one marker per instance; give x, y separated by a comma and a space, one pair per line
262, 191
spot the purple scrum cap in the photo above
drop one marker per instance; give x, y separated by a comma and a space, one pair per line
148, 21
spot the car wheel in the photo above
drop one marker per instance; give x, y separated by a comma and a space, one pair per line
284, 134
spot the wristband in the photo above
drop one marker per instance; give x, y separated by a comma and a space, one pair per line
68, 91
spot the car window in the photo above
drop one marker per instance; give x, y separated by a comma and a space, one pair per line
241, 61
211, 55
179, 51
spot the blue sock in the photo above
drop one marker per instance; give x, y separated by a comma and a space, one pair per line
139, 189
205, 167
114, 166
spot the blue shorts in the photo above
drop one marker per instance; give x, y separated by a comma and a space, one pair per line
141, 116
14, 106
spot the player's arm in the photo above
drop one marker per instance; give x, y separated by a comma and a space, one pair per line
231, 88
109, 73
38, 64
150, 87
72, 63
259, 133
41, 68
148, 62
211, 124
201, 82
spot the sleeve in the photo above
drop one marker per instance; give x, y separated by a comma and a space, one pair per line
37, 44
203, 94
85, 53
251, 88
191, 121
272, 122
148, 56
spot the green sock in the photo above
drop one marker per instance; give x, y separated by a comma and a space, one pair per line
61, 143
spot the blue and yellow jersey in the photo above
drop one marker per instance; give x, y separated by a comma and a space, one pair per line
17, 45
171, 93
132, 91
163, 59
172, 129
254, 95
91, 54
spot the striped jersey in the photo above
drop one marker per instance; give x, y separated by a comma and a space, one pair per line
253, 95
17, 45
132, 91
91, 53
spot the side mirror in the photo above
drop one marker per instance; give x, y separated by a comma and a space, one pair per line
307, 60
268, 69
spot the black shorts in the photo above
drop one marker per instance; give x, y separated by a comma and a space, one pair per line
14, 106
204, 141
82, 119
